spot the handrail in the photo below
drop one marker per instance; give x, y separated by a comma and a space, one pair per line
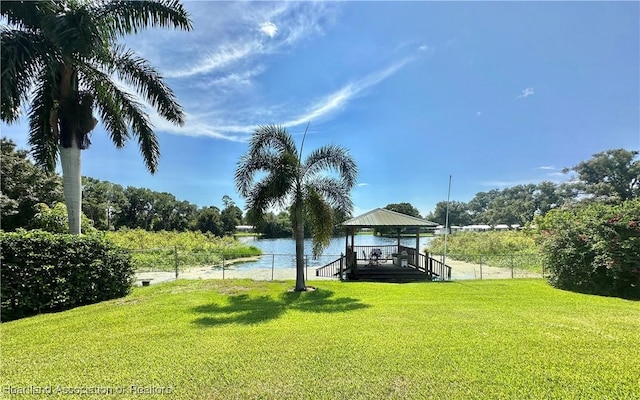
333, 269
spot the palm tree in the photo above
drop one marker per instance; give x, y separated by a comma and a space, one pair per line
61, 56
305, 187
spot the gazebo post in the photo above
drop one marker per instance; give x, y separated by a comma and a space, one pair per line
417, 260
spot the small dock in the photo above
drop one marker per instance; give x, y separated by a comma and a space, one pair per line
396, 264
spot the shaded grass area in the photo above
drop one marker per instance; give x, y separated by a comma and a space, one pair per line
241, 339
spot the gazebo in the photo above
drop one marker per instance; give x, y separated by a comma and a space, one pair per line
385, 262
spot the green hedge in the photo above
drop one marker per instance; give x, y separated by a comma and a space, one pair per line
44, 272
593, 249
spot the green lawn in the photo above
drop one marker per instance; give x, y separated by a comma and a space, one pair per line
208, 339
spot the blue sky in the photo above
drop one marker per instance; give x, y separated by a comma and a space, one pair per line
493, 93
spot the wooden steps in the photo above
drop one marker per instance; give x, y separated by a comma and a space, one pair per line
387, 273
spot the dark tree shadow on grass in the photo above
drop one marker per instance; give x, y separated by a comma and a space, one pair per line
245, 309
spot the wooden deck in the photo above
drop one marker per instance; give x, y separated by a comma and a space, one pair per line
428, 269
387, 273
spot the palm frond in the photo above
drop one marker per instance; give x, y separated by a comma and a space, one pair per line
131, 16
28, 14
334, 192
139, 73
77, 32
42, 139
118, 108
23, 54
111, 103
331, 157
274, 137
320, 215
248, 167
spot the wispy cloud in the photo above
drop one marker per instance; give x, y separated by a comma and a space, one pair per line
526, 93
337, 100
362, 184
547, 167
252, 30
479, 113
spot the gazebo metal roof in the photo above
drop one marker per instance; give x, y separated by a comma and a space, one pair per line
381, 217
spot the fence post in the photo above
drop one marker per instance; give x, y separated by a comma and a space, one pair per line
175, 258
222, 265
341, 265
511, 266
273, 261
306, 267
481, 267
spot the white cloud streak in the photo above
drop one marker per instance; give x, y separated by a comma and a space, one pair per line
526, 93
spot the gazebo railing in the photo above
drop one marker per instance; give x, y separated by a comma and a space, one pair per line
333, 269
363, 253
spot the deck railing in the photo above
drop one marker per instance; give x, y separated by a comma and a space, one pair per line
363, 253
435, 268
333, 269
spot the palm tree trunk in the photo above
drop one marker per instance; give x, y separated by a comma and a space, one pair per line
72, 185
299, 234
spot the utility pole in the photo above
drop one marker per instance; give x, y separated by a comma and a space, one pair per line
446, 224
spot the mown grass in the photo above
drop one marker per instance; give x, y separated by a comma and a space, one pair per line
208, 339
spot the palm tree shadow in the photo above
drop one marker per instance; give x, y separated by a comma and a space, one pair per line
245, 309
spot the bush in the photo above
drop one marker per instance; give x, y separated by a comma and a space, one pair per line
44, 272
594, 248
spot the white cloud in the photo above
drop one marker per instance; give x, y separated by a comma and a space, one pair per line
235, 40
424, 47
269, 28
526, 93
479, 113
337, 100
547, 167
363, 184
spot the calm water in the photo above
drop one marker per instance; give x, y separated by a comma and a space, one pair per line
281, 252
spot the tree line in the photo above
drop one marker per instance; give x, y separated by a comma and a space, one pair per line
610, 176
108, 205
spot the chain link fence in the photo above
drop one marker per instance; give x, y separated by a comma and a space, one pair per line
495, 266
169, 263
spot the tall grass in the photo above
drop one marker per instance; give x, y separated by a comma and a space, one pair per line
500, 249
158, 250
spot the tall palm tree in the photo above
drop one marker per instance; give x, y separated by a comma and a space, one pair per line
272, 174
61, 56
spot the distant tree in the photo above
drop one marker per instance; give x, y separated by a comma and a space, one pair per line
404, 208
208, 220
276, 226
102, 202
612, 175
139, 209
23, 185
480, 204
61, 57
458, 213
547, 196
231, 215
303, 185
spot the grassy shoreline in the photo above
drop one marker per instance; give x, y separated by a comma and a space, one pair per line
212, 339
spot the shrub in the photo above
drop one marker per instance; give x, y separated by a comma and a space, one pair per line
594, 248
43, 272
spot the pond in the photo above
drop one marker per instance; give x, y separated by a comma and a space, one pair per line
280, 253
